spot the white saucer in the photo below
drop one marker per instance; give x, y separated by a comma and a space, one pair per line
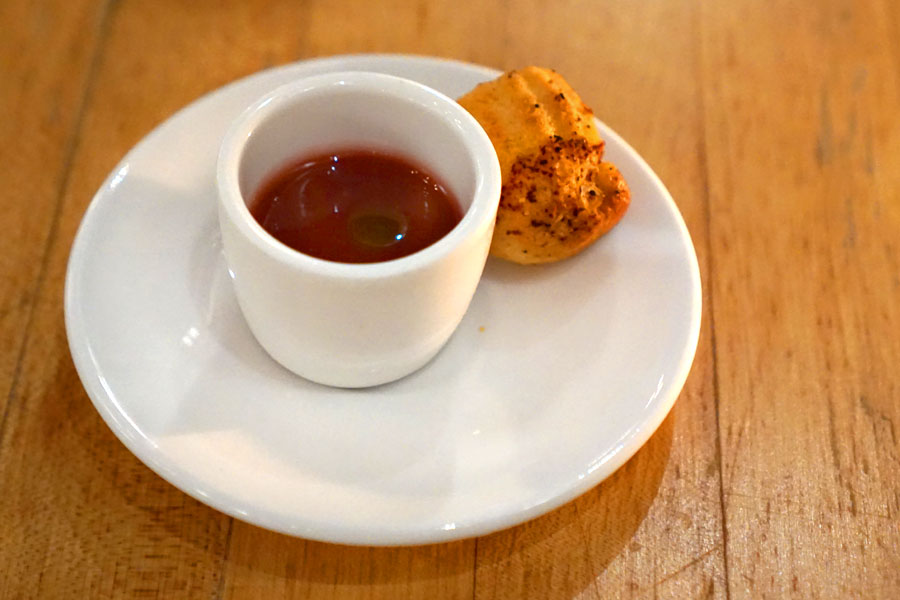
556, 376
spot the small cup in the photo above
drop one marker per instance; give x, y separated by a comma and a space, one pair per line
356, 325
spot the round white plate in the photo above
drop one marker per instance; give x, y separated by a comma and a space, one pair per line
556, 376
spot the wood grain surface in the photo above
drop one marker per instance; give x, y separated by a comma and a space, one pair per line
775, 126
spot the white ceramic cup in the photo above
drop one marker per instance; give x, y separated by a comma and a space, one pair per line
356, 325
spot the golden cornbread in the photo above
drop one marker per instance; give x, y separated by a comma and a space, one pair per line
558, 195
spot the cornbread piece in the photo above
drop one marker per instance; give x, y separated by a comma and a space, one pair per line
558, 195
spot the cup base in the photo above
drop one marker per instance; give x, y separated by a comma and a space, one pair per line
355, 379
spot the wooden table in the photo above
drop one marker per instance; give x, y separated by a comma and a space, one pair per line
776, 128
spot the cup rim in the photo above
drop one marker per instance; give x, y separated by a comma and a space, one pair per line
480, 213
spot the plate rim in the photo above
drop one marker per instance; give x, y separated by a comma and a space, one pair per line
104, 400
